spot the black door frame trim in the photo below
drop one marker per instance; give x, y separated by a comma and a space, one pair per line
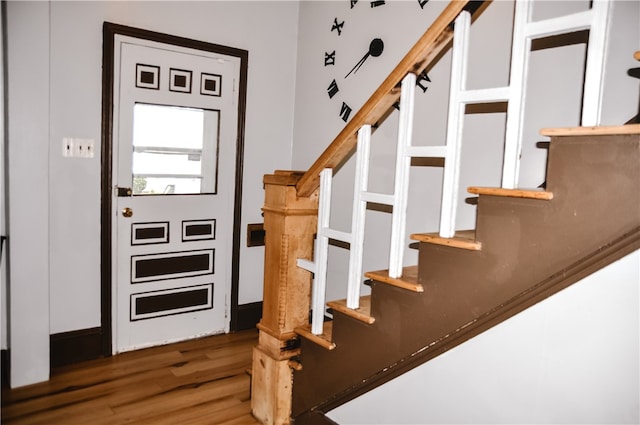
109, 31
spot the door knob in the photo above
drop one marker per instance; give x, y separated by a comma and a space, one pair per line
127, 212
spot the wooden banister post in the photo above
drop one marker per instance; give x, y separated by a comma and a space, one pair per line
290, 223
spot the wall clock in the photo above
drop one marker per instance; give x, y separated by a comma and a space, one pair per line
345, 68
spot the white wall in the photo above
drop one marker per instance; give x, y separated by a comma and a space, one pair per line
28, 190
620, 99
55, 72
3, 200
573, 358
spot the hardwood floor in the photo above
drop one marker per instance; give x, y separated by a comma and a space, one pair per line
203, 381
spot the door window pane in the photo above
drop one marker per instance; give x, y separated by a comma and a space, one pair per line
174, 150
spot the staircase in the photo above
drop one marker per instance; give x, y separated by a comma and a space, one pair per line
526, 246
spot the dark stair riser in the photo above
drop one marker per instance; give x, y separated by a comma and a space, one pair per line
361, 349
525, 242
592, 172
594, 203
352, 338
326, 391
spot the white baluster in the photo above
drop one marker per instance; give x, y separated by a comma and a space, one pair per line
454, 126
403, 166
596, 55
322, 248
521, 45
358, 216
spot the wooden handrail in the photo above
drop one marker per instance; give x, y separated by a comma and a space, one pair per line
421, 56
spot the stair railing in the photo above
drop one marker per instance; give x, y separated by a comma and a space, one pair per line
398, 200
595, 19
384, 98
420, 57
291, 198
290, 221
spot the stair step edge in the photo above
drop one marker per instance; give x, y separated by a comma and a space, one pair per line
408, 280
604, 130
362, 313
464, 239
323, 340
540, 194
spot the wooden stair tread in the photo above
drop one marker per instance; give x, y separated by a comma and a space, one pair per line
593, 131
465, 239
408, 280
362, 313
323, 340
512, 193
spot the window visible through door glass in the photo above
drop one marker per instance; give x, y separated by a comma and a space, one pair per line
174, 150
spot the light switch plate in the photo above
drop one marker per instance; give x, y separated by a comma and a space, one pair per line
78, 148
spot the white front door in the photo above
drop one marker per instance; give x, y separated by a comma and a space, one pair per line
174, 155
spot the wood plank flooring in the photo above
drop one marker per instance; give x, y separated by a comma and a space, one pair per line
202, 381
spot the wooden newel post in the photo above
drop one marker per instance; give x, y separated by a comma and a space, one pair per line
290, 223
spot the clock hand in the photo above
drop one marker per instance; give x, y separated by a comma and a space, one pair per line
358, 65
375, 49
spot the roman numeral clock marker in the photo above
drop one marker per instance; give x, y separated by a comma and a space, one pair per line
337, 26
344, 70
330, 58
333, 89
345, 111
